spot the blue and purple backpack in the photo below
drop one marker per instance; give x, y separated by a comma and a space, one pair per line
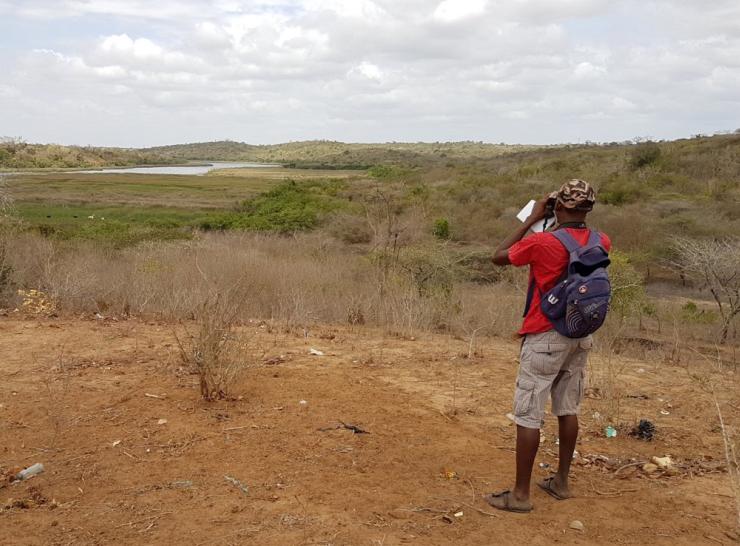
577, 305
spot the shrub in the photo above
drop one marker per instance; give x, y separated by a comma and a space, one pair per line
644, 154
628, 289
287, 208
215, 350
441, 229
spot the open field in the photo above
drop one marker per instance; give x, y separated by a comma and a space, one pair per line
127, 208
220, 189
85, 398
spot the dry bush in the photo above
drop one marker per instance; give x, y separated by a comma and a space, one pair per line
215, 349
716, 265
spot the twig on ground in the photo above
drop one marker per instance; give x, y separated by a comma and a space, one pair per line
636, 463
472, 489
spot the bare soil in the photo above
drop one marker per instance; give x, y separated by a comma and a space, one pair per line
87, 398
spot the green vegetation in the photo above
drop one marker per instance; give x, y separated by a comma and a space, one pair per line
647, 192
420, 221
289, 207
16, 154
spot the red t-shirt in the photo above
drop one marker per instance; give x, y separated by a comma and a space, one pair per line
547, 259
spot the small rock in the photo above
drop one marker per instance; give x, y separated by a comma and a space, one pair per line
162, 422
459, 514
117, 442
663, 462
316, 352
577, 525
649, 468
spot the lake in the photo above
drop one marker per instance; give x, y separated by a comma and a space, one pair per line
183, 169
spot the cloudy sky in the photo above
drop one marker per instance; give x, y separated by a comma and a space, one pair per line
149, 72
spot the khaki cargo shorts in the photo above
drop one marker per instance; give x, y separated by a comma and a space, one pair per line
550, 364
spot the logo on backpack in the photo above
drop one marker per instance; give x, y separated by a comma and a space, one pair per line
578, 304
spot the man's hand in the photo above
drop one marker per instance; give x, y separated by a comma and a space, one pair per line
540, 210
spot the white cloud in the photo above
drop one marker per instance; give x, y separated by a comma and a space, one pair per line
456, 10
276, 70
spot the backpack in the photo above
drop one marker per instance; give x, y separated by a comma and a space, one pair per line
577, 305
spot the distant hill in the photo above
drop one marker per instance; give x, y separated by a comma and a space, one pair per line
326, 152
16, 154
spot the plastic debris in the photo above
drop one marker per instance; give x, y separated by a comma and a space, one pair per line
30, 472
459, 514
577, 525
316, 352
645, 430
236, 483
116, 443
610, 432
665, 412
303, 403
544, 465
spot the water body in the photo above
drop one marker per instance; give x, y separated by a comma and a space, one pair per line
182, 169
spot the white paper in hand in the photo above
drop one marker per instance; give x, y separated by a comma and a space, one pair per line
525, 213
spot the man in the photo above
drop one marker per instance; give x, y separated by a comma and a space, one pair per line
550, 363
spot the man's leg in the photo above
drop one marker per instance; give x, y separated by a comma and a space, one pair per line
568, 434
567, 393
527, 443
541, 358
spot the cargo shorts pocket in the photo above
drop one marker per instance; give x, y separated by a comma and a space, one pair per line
587, 343
547, 358
524, 397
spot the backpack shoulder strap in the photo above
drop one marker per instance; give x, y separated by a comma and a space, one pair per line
594, 239
570, 244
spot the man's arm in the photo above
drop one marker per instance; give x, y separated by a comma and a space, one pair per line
501, 255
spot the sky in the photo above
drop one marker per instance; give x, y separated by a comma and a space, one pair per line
143, 73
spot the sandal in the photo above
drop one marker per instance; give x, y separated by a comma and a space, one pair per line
503, 501
546, 486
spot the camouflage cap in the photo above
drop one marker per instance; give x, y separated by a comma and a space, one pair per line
577, 194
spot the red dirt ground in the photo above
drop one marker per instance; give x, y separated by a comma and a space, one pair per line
438, 440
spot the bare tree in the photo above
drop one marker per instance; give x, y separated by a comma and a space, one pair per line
715, 264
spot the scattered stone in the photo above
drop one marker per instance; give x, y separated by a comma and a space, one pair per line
649, 468
316, 352
162, 422
116, 443
577, 525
